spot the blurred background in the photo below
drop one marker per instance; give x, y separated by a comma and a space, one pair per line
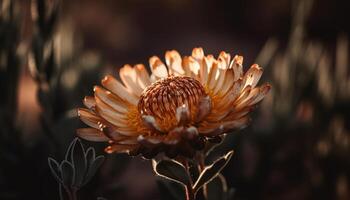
52, 53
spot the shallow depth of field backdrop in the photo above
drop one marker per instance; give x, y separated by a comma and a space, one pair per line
297, 147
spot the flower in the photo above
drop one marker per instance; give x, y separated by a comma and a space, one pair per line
178, 109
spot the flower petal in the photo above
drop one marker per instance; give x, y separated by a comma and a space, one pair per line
226, 57
118, 89
158, 68
121, 148
237, 66
89, 118
174, 62
129, 78
204, 108
252, 76
108, 113
92, 134
143, 78
89, 102
110, 99
198, 54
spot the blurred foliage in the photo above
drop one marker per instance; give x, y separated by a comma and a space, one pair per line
299, 144
57, 65
297, 148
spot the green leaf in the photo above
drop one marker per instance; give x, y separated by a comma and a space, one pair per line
55, 169
69, 150
171, 170
170, 190
212, 171
79, 162
94, 166
67, 170
216, 188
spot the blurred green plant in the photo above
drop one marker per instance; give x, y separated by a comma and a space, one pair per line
76, 170
42, 62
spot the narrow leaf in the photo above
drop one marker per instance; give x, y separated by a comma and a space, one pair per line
90, 156
216, 188
55, 169
93, 168
171, 170
212, 171
79, 163
170, 190
69, 150
67, 173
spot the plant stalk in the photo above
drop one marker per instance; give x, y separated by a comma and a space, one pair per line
188, 188
189, 192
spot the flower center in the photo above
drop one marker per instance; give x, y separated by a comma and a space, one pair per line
163, 97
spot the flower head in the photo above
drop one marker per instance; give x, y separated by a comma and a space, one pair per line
181, 106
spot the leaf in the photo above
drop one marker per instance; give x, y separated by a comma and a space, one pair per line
171, 170
55, 169
79, 162
212, 171
216, 188
67, 170
93, 168
170, 190
69, 150
90, 156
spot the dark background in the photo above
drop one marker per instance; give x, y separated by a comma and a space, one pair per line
297, 146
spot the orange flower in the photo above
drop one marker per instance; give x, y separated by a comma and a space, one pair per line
181, 106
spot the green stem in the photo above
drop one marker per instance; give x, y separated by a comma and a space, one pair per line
189, 192
201, 166
74, 194
188, 188
201, 163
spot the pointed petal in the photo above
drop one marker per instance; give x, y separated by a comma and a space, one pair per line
89, 102
228, 82
237, 66
129, 78
198, 53
118, 89
158, 68
252, 76
110, 99
220, 80
89, 118
121, 148
226, 57
143, 78
92, 134
174, 62
263, 90
204, 108
236, 124
108, 113
212, 75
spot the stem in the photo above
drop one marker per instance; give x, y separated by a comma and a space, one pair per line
74, 194
201, 166
188, 188
189, 192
